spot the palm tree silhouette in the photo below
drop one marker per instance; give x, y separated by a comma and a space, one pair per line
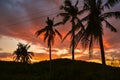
49, 34
95, 18
71, 13
22, 54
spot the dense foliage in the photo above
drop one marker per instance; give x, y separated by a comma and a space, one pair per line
21, 54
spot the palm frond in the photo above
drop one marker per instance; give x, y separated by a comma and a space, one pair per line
76, 3
111, 3
86, 4
67, 35
111, 14
58, 33
85, 19
37, 33
62, 14
83, 10
57, 24
46, 36
99, 4
31, 53
66, 18
111, 27
29, 57
28, 46
79, 24
78, 37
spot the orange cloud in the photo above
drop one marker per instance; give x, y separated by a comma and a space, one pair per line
107, 45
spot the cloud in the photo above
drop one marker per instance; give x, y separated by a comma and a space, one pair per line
114, 52
43, 56
1, 49
5, 55
20, 18
83, 57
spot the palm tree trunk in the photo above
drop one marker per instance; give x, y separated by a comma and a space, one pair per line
102, 50
50, 58
73, 34
73, 39
50, 52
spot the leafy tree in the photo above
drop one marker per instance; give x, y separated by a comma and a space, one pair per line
49, 34
22, 54
95, 19
71, 13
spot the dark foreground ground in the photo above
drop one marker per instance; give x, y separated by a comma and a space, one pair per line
61, 70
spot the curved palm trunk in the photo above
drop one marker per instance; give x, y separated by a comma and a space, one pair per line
102, 50
50, 57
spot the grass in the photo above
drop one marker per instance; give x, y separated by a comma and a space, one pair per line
62, 69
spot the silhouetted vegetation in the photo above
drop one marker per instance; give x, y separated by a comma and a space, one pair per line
61, 71
22, 54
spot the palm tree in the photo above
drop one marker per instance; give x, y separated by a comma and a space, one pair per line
94, 30
22, 54
71, 13
49, 34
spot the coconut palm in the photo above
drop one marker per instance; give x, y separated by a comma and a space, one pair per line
95, 19
49, 34
22, 54
70, 13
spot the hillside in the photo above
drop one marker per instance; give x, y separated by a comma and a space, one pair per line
61, 70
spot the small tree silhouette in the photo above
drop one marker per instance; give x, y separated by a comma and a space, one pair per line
22, 54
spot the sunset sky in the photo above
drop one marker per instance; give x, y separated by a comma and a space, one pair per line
20, 19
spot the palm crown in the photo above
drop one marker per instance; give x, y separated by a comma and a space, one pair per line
94, 29
49, 32
22, 54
